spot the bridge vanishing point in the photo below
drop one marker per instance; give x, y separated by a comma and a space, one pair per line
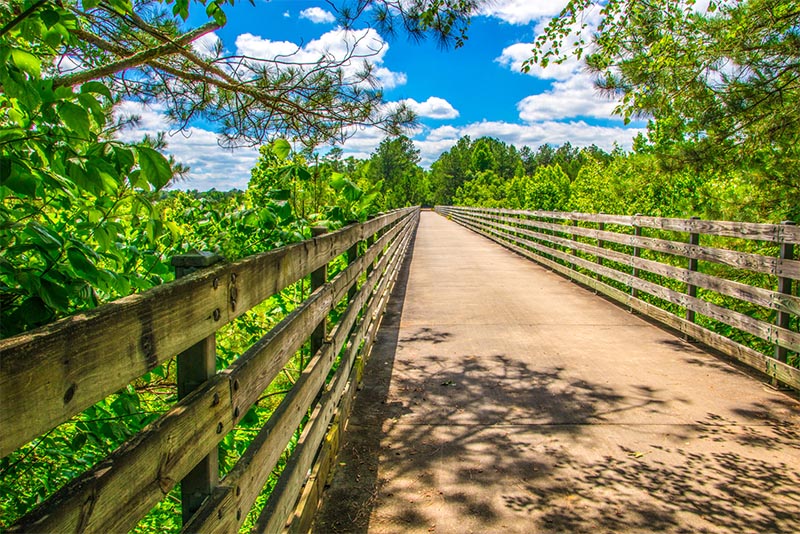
502, 397
454, 386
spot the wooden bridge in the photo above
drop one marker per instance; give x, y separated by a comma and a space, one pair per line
581, 392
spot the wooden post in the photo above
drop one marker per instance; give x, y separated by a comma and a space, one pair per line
785, 287
352, 254
197, 364
574, 237
601, 227
691, 289
637, 252
370, 242
318, 279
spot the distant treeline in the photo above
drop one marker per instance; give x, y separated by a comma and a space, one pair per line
646, 180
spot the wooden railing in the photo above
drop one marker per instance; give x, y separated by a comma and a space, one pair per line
689, 274
50, 374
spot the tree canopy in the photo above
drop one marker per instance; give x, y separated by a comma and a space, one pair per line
721, 84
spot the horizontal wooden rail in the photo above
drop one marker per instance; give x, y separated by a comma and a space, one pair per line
599, 257
731, 258
772, 233
114, 495
51, 373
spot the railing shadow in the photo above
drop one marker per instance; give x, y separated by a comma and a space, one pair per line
347, 505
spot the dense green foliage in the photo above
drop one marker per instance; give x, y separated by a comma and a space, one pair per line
721, 85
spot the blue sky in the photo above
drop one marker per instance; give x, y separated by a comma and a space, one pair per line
475, 90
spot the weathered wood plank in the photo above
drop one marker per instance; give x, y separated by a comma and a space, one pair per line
731, 258
747, 293
324, 466
119, 491
51, 373
769, 366
774, 233
142, 471
54, 372
281, 502
254, 371
244, 482
312, 492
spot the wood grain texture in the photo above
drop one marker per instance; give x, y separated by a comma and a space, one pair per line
325, 464
115, 494
731, 258
747, 293
244, 482
51, 373
775, 233
282, 500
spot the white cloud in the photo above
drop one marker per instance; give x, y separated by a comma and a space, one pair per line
152, 119
515, 55
443, 132
286, 15
206, 46
575, 97
522, 11
350, 47
433, 108
211, 165
363, 142
254, 46
317, 15
389, 79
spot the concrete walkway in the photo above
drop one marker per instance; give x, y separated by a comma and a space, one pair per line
501, 397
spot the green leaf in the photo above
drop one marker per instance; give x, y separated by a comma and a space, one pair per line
279, 194
181, 8
17, 178
250, 419
47, 239
284, 211
338, 180
54, 295
281, 148
121, 6
154, 166
267, 217
32, 312
82, 264
26, 62
103, 238
49, 17
75, 117
90, 103
214, 11
78, 441
124, 158
89, 4
97, 88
